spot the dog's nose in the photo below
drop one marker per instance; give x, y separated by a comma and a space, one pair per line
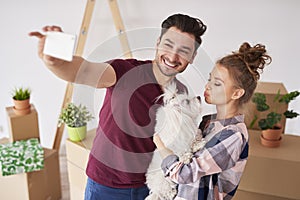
199, 98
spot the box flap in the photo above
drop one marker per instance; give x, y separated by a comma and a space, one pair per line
270, 88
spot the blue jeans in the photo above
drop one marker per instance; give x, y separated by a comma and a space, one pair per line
95, 191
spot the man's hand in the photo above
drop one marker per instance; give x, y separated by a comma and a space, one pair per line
49, 60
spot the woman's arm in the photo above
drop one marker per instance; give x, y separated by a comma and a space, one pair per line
162, 149
212, 159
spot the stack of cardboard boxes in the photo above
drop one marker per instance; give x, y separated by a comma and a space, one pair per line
270, 173
77, 158
36, 185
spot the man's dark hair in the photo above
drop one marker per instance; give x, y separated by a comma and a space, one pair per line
186, 24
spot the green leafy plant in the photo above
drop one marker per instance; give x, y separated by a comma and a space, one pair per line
21, 93
272, 117
74, 115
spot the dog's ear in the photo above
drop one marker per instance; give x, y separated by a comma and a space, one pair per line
171, 88
170, 91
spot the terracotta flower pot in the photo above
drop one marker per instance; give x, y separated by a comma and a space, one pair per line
21, 112
21, 107
270, 143
272, 134
22, 104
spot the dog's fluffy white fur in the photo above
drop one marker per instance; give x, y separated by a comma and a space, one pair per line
176, 124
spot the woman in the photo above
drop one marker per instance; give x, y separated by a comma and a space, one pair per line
215, 170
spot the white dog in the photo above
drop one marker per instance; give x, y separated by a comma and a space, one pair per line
177, 126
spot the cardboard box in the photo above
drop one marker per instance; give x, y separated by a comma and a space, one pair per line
243, 195
273, 171
37, 185
270, 174
22, 127
77, 181
270, 90
77, 158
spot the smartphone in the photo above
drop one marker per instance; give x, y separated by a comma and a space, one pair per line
60, 45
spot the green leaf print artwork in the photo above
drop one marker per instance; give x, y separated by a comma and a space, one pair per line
21, 156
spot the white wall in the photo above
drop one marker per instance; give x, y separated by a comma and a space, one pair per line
271, 22
20, 64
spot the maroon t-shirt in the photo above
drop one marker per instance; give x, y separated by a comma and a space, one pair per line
123, 146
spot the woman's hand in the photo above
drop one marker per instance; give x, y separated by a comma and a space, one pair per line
163, 150
157, 141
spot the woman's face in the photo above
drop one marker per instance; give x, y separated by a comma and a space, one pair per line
219, 89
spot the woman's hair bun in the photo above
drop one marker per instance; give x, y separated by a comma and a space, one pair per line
255, 57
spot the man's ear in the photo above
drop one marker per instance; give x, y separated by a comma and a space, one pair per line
238, 93
157, 42
193, 57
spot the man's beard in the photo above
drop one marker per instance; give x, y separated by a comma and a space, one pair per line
160, 67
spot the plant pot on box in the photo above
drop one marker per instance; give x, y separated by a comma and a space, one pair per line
76, 118
21, 99
271, 137
77, 134
272, 134
270, 143
271, 125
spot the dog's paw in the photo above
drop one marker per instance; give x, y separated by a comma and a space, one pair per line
186, 157
168, 195
198, 145
172, 194
152, 196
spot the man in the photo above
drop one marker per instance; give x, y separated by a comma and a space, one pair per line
123, 145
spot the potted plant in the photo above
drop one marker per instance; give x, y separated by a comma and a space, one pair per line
21, 99
76, 118
270, 125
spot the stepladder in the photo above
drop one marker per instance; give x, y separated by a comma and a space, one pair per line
82, 37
